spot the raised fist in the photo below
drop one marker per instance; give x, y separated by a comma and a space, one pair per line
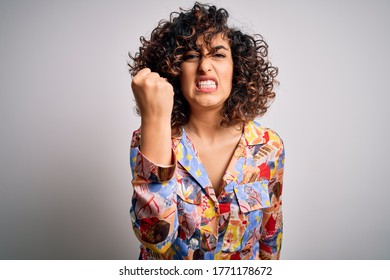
153, 94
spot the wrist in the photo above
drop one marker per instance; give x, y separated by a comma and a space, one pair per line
156, 121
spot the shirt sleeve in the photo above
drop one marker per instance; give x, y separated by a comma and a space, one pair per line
153, 211
272, 223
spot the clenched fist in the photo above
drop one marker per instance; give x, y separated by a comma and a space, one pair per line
153, 94
154, 97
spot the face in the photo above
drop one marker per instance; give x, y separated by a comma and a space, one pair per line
206, 75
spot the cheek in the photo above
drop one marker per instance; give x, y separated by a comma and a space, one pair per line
227, 69
228, 78
184, 83
185, 77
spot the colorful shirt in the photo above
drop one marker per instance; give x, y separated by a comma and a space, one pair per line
176, 215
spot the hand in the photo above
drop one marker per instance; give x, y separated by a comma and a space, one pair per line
154, 97
153, 94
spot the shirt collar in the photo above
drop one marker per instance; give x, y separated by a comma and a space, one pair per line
254, 133
177, 132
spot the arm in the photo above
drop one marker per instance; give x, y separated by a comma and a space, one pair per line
272, 225
154, 97
153, 210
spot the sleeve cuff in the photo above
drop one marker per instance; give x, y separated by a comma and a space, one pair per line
151, 172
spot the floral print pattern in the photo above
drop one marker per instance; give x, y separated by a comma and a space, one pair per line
176, 215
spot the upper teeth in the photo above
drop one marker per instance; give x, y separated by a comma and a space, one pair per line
206, 84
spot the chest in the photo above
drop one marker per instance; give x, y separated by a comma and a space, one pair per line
216, 159
234, 222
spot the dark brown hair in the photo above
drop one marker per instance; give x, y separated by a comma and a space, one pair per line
253, 75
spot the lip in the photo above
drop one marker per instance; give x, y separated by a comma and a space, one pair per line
206, 78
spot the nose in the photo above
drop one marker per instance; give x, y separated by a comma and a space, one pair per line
205, 64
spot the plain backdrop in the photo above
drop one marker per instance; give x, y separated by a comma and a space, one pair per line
67, 115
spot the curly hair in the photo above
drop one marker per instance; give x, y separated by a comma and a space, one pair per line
253, 75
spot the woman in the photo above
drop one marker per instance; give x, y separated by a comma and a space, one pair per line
207, 178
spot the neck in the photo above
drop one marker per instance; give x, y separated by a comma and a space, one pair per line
207, 126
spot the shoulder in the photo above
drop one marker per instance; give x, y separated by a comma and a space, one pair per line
256, 134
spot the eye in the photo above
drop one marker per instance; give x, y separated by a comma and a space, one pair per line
219, 55
191, 56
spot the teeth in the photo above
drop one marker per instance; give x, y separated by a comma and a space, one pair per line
206, 84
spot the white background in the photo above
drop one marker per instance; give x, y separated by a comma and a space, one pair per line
67, 115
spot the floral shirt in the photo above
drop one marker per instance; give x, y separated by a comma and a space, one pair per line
176, 214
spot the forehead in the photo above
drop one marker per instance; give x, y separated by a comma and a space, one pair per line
216, 40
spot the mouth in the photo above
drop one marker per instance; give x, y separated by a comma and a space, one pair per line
206, 84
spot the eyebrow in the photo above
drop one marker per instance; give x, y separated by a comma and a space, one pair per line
216, 48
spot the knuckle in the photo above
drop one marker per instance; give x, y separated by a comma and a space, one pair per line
149, 82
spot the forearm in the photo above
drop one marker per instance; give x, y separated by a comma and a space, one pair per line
154, 215
153, 211
156, 142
